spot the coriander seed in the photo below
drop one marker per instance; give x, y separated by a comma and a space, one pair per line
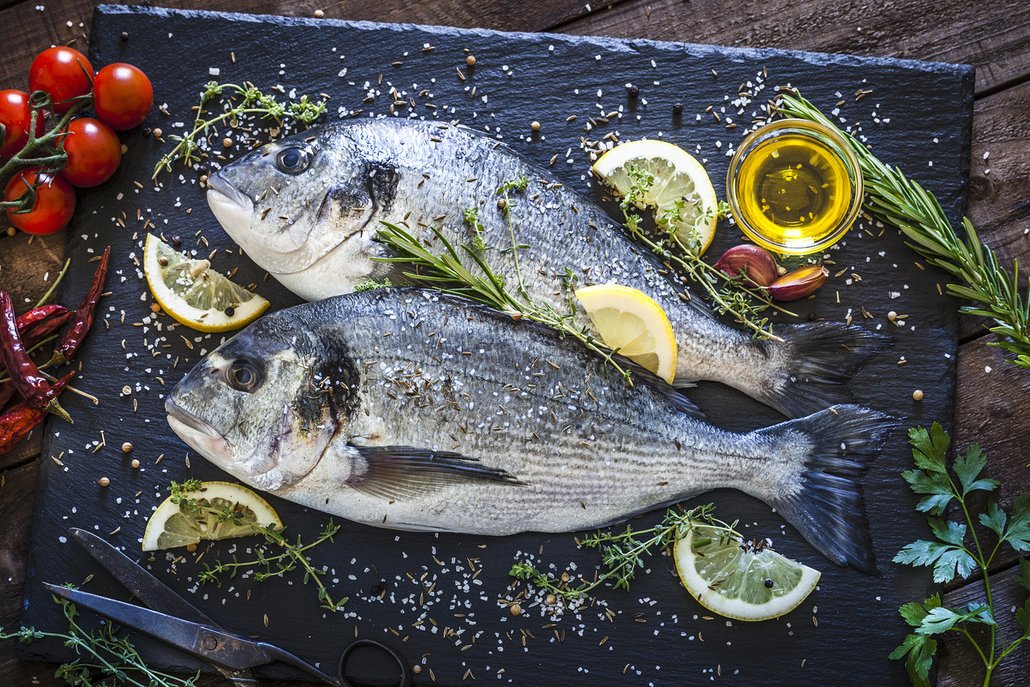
156, 131
155, 308
515, 609
227, 142
135, 464
551, 599
319, 14
103, 481
127, 447
917, 395
535, 126
471, 60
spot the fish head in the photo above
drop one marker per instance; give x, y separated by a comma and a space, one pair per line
265, 405
305, 208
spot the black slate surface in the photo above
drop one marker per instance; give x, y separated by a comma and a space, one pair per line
917, 116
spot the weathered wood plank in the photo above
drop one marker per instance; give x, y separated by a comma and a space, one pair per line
68, 21
949, 30
960, 666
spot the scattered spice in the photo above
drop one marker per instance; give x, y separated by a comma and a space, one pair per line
917, 395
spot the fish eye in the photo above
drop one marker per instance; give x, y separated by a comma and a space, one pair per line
244, 375
293, 159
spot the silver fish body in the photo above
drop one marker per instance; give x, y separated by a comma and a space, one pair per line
307, 209
402, 408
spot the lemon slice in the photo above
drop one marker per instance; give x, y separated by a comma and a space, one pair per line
170, 527
681, 193
739, 581
630, 322
194, 294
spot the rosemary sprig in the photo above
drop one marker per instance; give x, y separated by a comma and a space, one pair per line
623, 553
238, 101
292, 555
464, 270
105, 658
730, 295
894, 199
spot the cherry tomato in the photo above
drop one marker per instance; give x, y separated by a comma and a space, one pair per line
62, 72
55, 202
122, 96
16, 116
94, 152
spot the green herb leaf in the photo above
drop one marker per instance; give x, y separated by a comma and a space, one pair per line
918, 652
930, 448
948, 531
941, 619
968, 467
994, 519
947, 560
1023, 578
1023, 618
913, 612
1018, 533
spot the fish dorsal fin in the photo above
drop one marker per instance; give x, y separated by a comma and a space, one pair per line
398, 472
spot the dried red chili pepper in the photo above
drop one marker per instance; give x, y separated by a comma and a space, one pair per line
33, 337
34, 387
72, 338
16, 423
33, 317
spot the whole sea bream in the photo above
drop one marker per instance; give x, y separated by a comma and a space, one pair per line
404, 408
308, 209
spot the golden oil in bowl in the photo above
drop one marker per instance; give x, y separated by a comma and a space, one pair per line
794, 187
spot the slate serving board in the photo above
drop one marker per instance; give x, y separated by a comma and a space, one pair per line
418, 590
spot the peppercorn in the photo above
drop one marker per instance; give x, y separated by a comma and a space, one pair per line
768, 583
176, 241
677, 109
124, 35
632, 91
230, 311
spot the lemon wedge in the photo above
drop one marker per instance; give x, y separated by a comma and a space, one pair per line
631, 323
194, 294
680, 193
740, 581
171, 526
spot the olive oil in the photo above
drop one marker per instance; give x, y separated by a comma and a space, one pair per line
794, 187
791, 187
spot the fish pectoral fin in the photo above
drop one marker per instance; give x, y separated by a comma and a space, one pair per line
398, 472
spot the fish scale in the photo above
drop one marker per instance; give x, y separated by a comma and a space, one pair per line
424, 175
418, 411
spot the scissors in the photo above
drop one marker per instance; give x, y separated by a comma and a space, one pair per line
173, 620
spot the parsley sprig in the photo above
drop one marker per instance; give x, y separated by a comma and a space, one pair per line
237, 101
623, 552
104, 657
958, 550
276, 558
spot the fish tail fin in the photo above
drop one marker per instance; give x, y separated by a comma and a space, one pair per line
820, 494
810, 370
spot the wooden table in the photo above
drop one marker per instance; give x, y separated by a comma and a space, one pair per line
995, 37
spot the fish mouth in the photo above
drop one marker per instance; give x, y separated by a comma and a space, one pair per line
195, 432
226, 193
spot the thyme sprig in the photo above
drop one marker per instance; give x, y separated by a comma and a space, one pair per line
238, 101
105, 658
745, 302
277, 557
464, 270
623, 552
957, 549
894, 199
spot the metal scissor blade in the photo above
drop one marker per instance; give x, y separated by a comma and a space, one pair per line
212, 644
144, 586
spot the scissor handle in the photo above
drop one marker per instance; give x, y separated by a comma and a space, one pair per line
405, 678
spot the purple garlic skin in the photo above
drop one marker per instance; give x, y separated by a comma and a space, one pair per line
755, 263
798, 284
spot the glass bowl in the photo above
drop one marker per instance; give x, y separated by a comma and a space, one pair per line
794, 240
